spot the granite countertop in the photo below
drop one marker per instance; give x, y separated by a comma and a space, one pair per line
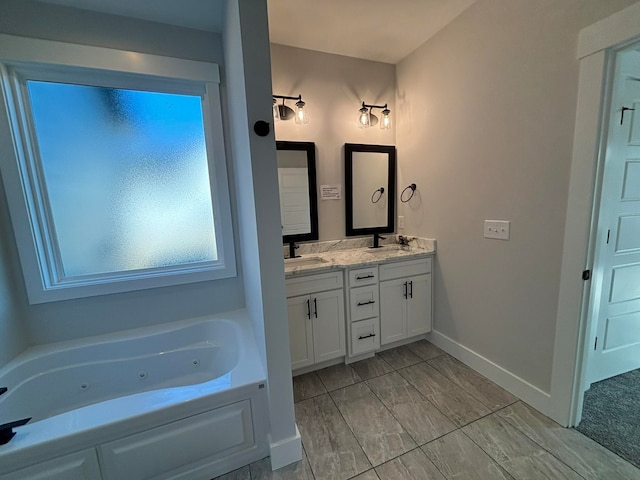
322, 257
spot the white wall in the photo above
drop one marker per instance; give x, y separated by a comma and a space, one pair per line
84, 317
333, 87
13, 335
487, 112
246, 51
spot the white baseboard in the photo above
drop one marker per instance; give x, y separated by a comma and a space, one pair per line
515, 385
286, 451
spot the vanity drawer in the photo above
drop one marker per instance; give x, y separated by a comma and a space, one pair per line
363, 276
410, 268
364, 302
365, 336
313, 283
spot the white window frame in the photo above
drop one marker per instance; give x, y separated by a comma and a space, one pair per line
23, 59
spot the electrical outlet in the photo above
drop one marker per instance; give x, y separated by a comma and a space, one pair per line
400, 221
498, 229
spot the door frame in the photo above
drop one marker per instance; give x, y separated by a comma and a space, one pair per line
597, 46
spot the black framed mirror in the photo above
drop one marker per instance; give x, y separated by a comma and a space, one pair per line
370, 188
298, 191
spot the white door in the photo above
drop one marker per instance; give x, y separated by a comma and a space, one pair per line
393, 310
300, 331
293, 186
327, 311
419, 305
616, 300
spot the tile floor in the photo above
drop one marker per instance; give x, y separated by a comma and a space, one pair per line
416, 413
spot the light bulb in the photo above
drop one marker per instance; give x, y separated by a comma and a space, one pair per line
301, 117
385, 121
363, 120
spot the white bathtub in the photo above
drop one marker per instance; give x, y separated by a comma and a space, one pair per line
98, 393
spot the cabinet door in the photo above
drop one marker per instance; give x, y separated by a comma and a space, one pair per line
393, 310
77, 466
419, 305
327, 311
300, 331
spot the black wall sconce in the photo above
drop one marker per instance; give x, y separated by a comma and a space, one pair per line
283, 112
367, 119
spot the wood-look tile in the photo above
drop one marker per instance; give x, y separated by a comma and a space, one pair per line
307, 386
332, 449
261, 470
380, 435
588, 458
371, 367
411, 466
240, 474
515, 452
368, 475
424, 349
477, 385
420, 418
456, 456
338, 376
400, 357
456, 404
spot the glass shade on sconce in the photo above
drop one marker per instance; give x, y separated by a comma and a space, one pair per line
276, 111
301, 115
385, 121
363, 119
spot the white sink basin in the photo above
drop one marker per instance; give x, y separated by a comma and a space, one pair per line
303, 261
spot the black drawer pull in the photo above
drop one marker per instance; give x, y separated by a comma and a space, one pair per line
364, 278
366, 336
366, 303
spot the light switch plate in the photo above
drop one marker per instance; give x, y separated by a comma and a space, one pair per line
498, 229
400, 221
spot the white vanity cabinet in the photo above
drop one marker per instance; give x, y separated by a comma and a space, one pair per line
315, 305
405, 299
363, 329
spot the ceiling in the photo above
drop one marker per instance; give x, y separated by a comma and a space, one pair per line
380, 30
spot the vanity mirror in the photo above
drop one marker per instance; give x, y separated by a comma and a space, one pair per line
370, 180
298, 192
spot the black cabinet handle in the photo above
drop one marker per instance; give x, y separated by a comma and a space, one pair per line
404, 292
315, 308
365, 277
308, 309
366, 303
411, 291
362, 337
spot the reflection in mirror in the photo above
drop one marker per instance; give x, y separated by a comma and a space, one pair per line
370, 188
297, 188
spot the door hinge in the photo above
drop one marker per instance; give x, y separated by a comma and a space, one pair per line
608, 235
586, 274
625, 109
595, 345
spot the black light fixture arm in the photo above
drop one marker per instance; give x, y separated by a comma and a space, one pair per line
364, 105
286, 97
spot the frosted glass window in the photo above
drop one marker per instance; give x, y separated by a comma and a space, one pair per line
125, 175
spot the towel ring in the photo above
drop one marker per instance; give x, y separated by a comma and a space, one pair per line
380, 191
411, 187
